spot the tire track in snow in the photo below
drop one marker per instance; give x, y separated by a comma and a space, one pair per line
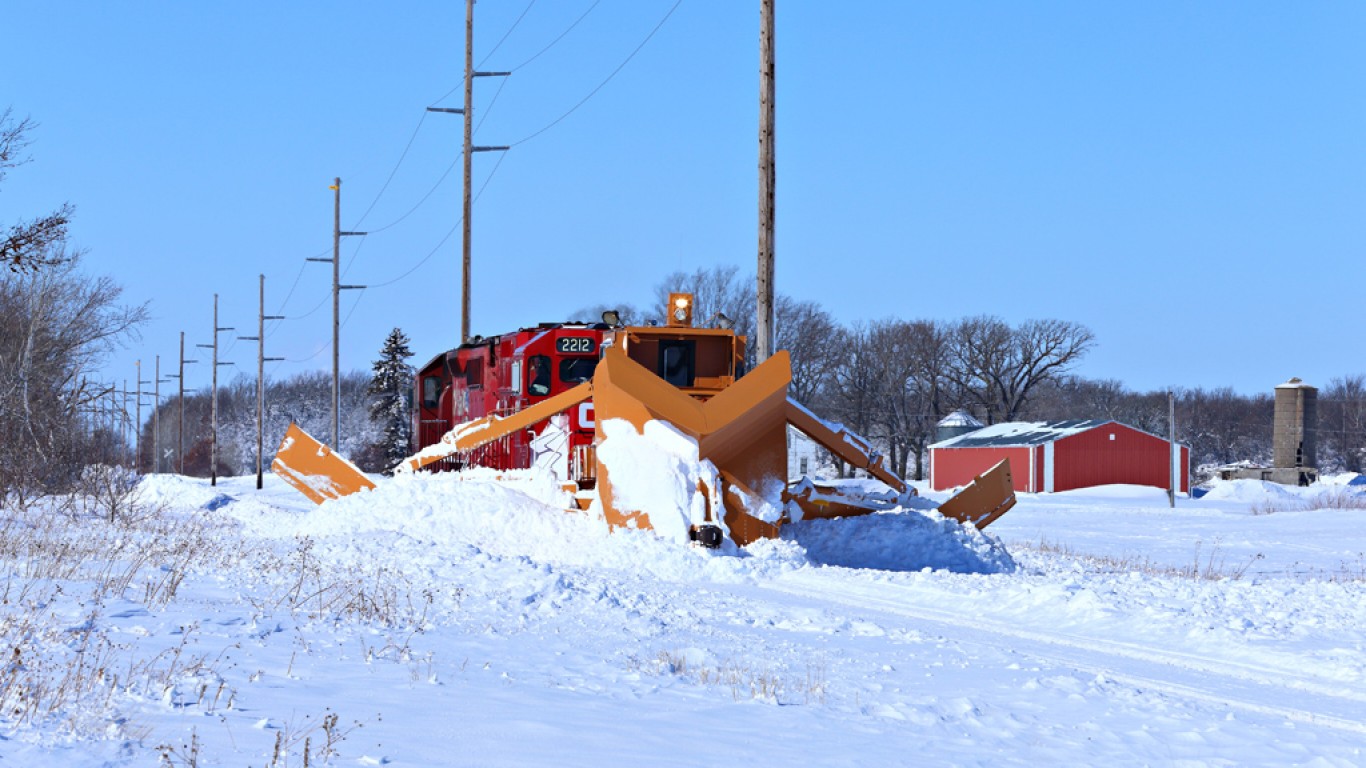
1244, 686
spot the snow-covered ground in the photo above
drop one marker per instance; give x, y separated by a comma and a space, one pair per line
446, 621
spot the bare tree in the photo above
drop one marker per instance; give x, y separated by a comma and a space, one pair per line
997, 368
1223, 427
1342, 422
854, 387
56, 326
1075, 397
809, 335
28, 244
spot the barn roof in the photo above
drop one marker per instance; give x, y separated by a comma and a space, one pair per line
1018, 433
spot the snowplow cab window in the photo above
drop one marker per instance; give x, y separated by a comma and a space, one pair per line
676, 362
431, 391
538, 376
577, 370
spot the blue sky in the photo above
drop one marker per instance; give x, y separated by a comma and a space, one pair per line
1187, 180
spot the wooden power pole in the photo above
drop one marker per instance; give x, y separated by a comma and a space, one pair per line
1173, 457
156, 419
468, 145
213, 407
468, 149
767, 177
180, 433
337, 288
260, 339
137, 434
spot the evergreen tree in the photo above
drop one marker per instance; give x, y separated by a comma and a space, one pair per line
391, 386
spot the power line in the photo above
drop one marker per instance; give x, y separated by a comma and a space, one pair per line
406, 147
484, 115
495, 48
437, 247
601, 85
558, 39
424, 260
430, 192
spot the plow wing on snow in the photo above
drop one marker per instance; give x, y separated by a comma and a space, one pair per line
314, 470
680, 390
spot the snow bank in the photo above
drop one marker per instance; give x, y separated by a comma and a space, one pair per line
1247, 490
177, 491
903, 540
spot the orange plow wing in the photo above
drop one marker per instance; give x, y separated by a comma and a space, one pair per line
986, 498
472, 434
314, 470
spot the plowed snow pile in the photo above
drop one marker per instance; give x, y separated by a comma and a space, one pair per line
523, 514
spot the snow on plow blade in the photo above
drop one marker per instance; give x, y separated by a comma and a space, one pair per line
986, 498
314, 470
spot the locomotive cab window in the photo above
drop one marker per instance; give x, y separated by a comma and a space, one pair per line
577, 370
676, 361
538, 375
431, 391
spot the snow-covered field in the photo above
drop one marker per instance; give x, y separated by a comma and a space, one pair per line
447, 621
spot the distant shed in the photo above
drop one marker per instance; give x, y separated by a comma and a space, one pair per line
1059, 456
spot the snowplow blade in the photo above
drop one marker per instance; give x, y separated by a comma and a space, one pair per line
314, 470
741, 429
986, 498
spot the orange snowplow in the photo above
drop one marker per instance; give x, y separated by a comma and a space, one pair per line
689, 381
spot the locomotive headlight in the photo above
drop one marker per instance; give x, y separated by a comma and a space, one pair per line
680, 309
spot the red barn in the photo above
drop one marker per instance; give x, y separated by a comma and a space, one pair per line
1059, 456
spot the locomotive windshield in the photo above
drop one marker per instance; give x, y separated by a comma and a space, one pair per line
577, 370
538, 375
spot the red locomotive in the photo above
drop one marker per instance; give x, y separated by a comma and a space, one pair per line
505, 374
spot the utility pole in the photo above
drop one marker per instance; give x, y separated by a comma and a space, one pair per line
156, 420
337, 288
180, 435
767, 181
213, 408
137, 434
1174, 453
469, 149
260, 339
123, 421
